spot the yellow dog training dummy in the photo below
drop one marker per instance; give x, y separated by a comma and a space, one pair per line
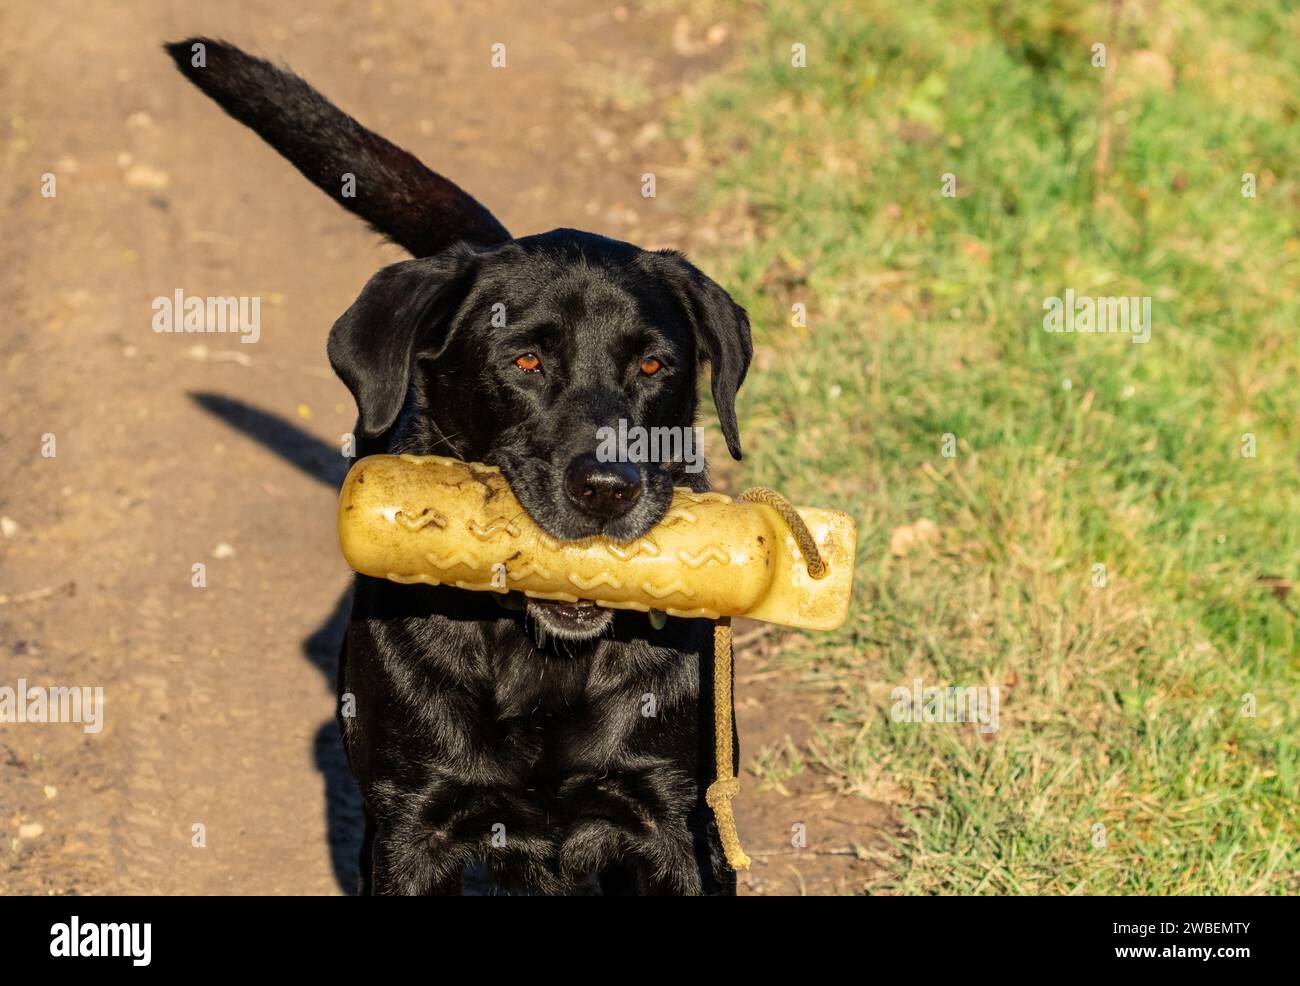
427, 519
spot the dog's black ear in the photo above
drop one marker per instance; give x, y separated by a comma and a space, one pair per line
402, 312
721, 336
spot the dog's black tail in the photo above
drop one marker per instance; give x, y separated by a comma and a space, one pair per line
397, 195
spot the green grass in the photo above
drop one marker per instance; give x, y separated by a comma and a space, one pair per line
1121, 706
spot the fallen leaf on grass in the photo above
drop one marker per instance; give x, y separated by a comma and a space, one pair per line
1281, 587
903, 540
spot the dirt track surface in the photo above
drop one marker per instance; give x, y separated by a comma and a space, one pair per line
173, 450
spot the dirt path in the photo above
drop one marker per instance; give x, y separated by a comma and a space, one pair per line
177, 450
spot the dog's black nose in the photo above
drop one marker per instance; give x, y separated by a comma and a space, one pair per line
603, 489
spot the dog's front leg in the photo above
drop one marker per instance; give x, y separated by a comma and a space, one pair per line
664, 860
687, 863
407, 863
684, 868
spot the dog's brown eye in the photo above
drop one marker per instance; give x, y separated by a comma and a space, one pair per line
650, 366
528, 362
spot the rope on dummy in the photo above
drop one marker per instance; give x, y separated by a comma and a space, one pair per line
726, 785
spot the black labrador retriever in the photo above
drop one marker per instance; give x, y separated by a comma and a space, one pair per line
553, 748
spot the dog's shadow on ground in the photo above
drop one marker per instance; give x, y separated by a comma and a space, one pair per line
343, 812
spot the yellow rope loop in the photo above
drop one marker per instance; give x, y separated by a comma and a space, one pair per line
727, 785
812, 558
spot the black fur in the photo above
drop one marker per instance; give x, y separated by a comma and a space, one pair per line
474, 744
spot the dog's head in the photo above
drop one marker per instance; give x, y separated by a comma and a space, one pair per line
531, 355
